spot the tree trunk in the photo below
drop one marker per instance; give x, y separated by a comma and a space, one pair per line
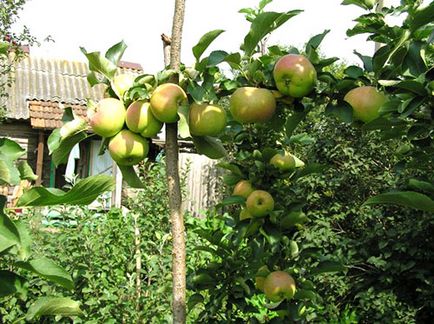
172, 174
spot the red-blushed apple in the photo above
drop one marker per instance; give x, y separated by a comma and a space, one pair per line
206, 119
107, 118
139, 119
127, 148
366, 102
243, 188
259, 203
165, 101
294, 75
283, 162
279, 285
252, 105
121, 83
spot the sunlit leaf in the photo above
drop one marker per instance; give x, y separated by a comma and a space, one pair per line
83, 192
204, 42
53, 306
47, 269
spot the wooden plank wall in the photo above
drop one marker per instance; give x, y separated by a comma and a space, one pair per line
27, 138
202, 182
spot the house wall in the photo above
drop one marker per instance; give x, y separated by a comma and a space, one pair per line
27, 138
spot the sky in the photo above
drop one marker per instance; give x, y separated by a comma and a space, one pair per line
98, 24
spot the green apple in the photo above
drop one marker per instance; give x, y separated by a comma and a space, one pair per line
295, 76
279, 285
128, 148
107, 118
243, 188
252, 105
139, 119
283, 162
259, 203
260, 276
366, 102
206, 119
165, 101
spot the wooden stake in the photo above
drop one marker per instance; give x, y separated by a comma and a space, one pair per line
40, 158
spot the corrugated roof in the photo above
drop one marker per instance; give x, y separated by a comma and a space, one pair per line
52, 80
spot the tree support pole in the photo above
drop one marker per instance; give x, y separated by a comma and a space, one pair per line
173, 182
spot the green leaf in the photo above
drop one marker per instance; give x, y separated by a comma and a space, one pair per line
365, 4
354, 72
114, 53
130, 176
100, 64
209, 146
84, 192
235, 169
4, 48
53, 306
421, 17
264, 24
367, 61
342, 110
409, 199
413, 86
316, 40
24, 248
47, 269
233, 200
10, 150
204, 42
26, 172
9, 173
61, 154
53, 141
293, 121
183, 127
421, 185
11, 283
9, 234
328, 266
193, 300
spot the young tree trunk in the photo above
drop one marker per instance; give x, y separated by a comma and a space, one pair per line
172, 174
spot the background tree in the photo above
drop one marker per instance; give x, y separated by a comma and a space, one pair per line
10, 45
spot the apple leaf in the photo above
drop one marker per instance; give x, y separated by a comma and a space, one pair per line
47, 269
10, 150
209, 146
9, 234
53, 306
131, 177
114, 53
293, 121
262, 25
83, 192
342, 110
204, 42
11, 283
365, 4
421, 185
409, 199
100, 64
183, 128
316, 40
61, 154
